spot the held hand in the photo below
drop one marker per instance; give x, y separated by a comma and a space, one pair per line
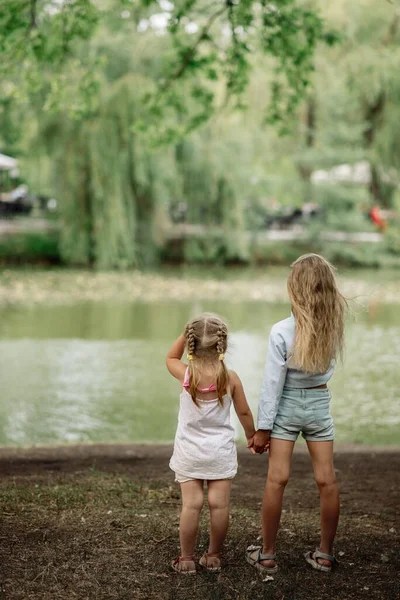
250, 444
261, 441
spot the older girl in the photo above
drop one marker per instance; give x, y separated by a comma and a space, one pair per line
295, 398
204, 447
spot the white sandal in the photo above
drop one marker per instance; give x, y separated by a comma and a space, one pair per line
311, 558
256, 562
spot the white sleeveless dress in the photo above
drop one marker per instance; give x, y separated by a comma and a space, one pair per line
204, 446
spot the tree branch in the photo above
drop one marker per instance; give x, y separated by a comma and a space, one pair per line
32, 20
393, 28
191, 51
32, 23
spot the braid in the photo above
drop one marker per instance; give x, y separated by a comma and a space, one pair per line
222, 372
194, 375
221, 343
191, 341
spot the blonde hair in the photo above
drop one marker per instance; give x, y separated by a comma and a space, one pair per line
319, 310
207, 341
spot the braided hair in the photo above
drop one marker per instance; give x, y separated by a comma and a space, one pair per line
206, 341
221, 343
190, 340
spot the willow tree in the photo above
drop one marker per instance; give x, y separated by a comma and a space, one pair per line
373, 68
351, 115
213, 198
107, 184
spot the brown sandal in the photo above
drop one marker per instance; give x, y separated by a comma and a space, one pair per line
214, 566
179, 561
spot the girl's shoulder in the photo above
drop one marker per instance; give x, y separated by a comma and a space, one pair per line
234, 381
283, 326
282, 333
233, 376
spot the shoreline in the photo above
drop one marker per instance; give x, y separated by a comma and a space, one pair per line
56, 287
123, 450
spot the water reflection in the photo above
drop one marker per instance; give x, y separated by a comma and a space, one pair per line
95, 371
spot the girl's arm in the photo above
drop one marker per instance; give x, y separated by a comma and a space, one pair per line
241, 407
174, 363
271, 390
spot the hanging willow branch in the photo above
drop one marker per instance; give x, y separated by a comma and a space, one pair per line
230, 32
285, 32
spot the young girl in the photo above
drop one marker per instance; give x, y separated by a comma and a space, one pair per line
294, 398
204, 446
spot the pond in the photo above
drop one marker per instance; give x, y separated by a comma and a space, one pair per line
90, 371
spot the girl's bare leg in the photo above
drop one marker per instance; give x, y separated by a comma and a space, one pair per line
192, 503
219, 492
280, 455
322, 459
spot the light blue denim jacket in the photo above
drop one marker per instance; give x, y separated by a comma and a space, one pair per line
277, 373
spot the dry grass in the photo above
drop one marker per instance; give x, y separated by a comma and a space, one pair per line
106, 527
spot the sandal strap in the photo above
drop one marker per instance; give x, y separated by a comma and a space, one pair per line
262, 556
319, 554
185, 558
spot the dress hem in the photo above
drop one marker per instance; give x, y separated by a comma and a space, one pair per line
203, 477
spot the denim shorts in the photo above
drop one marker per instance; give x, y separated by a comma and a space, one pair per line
305, 411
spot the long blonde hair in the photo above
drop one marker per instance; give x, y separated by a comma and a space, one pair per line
319, 310
207, 341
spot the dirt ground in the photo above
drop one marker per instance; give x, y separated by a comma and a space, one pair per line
101, 522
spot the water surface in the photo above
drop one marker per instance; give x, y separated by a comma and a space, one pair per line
95, 371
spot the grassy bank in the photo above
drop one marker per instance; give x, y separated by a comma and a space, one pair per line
30, 248
102, 523
362, 255
261, 250
44, 247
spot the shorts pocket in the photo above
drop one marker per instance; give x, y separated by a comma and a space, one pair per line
322, 417
286, 414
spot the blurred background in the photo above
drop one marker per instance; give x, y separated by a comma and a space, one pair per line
158, 159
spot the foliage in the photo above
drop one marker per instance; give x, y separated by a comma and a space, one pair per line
360, 112
226, 37
105, 182
357, 255
38, 42
91, 92
343, 207
30, 248
207, 43
392, 239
